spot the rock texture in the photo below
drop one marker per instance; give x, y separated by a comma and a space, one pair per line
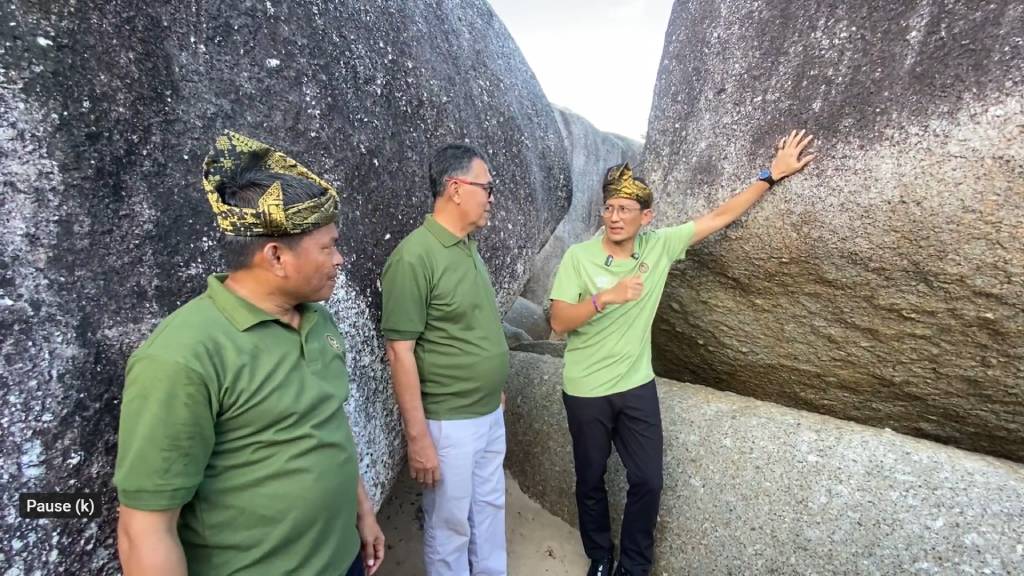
551, 348
530, 318
883, 285
755, 488
106, 111
514, 337
591, 152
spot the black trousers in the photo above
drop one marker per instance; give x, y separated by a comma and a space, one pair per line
632, 421
356, 569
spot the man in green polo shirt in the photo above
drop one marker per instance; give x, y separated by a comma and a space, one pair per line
449, 362
235, 455
604, 297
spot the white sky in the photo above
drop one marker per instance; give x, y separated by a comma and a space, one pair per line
598, 58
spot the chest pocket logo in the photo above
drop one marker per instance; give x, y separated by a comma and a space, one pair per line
333, 343
643, 268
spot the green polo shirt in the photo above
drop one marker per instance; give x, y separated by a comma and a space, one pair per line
436, 291
612, 352
238, 418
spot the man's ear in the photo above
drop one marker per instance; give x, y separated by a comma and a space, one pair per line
648, 216
272, 256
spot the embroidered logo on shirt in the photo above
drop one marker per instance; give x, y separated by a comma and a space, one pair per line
603, 282
333, 342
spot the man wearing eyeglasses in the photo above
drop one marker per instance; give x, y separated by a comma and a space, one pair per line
449, 362
604, 297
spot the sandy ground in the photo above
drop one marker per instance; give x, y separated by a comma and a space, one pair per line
539, 544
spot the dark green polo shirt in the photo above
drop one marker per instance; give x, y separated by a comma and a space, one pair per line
436, 291
238, 418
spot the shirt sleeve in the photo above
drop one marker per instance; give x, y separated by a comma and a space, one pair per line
677, 239
567, 286
405, 291
166, 434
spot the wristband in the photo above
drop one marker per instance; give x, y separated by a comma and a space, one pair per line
597, 307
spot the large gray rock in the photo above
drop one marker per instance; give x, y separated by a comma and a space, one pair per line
756, 488
514, 336
591, 152
530, 318
883, 285
106, 111
554, 348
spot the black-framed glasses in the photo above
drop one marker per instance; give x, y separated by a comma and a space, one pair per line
485, 186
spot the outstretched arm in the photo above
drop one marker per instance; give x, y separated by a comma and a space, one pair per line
786, 163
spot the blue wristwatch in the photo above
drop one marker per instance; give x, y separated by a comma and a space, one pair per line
765, 175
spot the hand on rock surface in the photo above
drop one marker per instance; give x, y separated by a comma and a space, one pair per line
423, 464
787, 158
627, 290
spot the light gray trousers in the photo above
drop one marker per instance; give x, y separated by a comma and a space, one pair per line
464, 514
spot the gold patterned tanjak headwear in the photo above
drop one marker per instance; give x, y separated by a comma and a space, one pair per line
271, 217
619, 183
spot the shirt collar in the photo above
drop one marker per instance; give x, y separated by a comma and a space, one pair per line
239, 311
443, 235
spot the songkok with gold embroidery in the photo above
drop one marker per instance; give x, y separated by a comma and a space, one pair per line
620, 183
271, 217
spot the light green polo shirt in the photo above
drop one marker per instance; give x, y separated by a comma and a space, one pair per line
238, 418
612, 352
436, 291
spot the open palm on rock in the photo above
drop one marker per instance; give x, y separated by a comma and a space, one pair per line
787, 159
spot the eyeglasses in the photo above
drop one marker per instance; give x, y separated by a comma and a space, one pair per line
485, 186
623, 211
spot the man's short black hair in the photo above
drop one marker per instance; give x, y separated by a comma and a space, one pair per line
448, 161
243, 188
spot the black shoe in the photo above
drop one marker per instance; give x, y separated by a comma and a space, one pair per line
601, 567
